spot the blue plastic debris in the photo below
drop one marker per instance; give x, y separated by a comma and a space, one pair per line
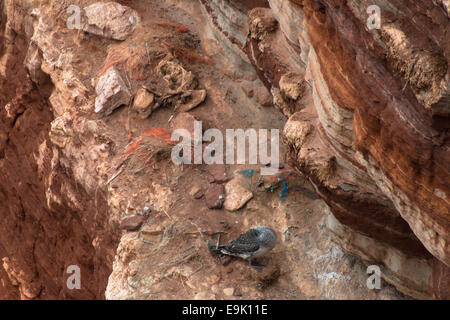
284, 191
271, 188
247, 173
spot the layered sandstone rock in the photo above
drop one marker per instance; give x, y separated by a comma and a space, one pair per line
369, 129
379, 153
366, 123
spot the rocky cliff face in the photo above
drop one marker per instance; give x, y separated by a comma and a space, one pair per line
87, 181
372, 128
49, 220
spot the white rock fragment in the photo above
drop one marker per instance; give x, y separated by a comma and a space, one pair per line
112, 92
236, 195
110, 20
228, 291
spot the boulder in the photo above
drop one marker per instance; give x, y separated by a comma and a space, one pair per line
215, 196
263, 96
261, 22
296, 130
236, 195
292, 85
110, 20
216, 173
112, 92
143, 104
132, 222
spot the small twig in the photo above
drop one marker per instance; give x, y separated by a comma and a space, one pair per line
197, 270
143, 240
218, 241
203, 232
116, 167
173, 203
183, 259
192, 233
189, 248
299, 172
114, 176
198, 228
129, 118
153, 232
148, 53
135, 171
167, 214
128, 80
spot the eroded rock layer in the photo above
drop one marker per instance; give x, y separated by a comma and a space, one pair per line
371, 128
49, 221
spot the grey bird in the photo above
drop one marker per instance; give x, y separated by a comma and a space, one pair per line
252, 244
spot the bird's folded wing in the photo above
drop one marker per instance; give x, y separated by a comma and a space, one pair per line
243, 246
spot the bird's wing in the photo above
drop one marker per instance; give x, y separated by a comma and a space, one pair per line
246, 242
236, 247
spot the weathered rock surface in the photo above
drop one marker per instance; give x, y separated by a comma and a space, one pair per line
217, 173
112, 92
51, 218
132, 222
261, 22
236, 195
362, 125
110, 19
143, 103
215, 196
292, 85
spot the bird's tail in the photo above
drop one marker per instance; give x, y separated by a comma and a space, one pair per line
214, 249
